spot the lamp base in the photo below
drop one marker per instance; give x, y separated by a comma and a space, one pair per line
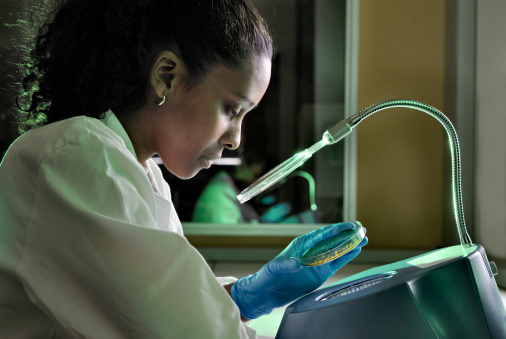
447, 293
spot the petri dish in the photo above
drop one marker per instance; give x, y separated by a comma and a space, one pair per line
333, 247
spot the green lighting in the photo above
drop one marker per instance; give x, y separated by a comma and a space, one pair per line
436, 257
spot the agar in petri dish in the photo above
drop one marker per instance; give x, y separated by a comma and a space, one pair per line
333, 247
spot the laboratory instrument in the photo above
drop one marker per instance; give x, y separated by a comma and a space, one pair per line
446, 293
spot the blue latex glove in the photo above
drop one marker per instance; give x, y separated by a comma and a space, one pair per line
284, 279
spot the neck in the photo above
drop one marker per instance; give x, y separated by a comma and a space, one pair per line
136, 126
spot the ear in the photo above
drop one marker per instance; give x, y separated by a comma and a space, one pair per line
167, 72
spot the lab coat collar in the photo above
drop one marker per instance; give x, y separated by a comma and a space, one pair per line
111, 121
163, 206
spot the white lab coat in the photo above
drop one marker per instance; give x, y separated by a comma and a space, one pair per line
90, 247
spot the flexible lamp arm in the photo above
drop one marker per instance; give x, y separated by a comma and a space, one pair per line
344, 127
458, 209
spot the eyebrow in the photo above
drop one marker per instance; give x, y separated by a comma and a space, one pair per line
248, 100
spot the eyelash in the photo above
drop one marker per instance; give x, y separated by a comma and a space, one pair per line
230, 111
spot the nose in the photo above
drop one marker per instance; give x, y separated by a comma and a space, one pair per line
232, 137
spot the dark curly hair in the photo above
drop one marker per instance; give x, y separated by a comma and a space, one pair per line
88, 56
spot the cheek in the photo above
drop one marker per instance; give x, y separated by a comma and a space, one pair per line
210, 128
191, 131
187, 145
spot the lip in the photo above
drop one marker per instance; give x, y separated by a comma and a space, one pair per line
210, 159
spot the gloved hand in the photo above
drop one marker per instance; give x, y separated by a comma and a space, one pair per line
284, 279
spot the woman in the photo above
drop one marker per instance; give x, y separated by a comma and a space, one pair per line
90, 243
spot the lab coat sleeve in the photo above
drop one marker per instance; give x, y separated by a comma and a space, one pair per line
95, 262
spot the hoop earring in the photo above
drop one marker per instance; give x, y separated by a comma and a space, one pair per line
161, 102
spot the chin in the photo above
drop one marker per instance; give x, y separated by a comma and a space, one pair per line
185, 175
186, 169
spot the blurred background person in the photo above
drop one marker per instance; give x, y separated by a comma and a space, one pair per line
218, 201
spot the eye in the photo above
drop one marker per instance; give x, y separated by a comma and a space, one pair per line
232, 111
